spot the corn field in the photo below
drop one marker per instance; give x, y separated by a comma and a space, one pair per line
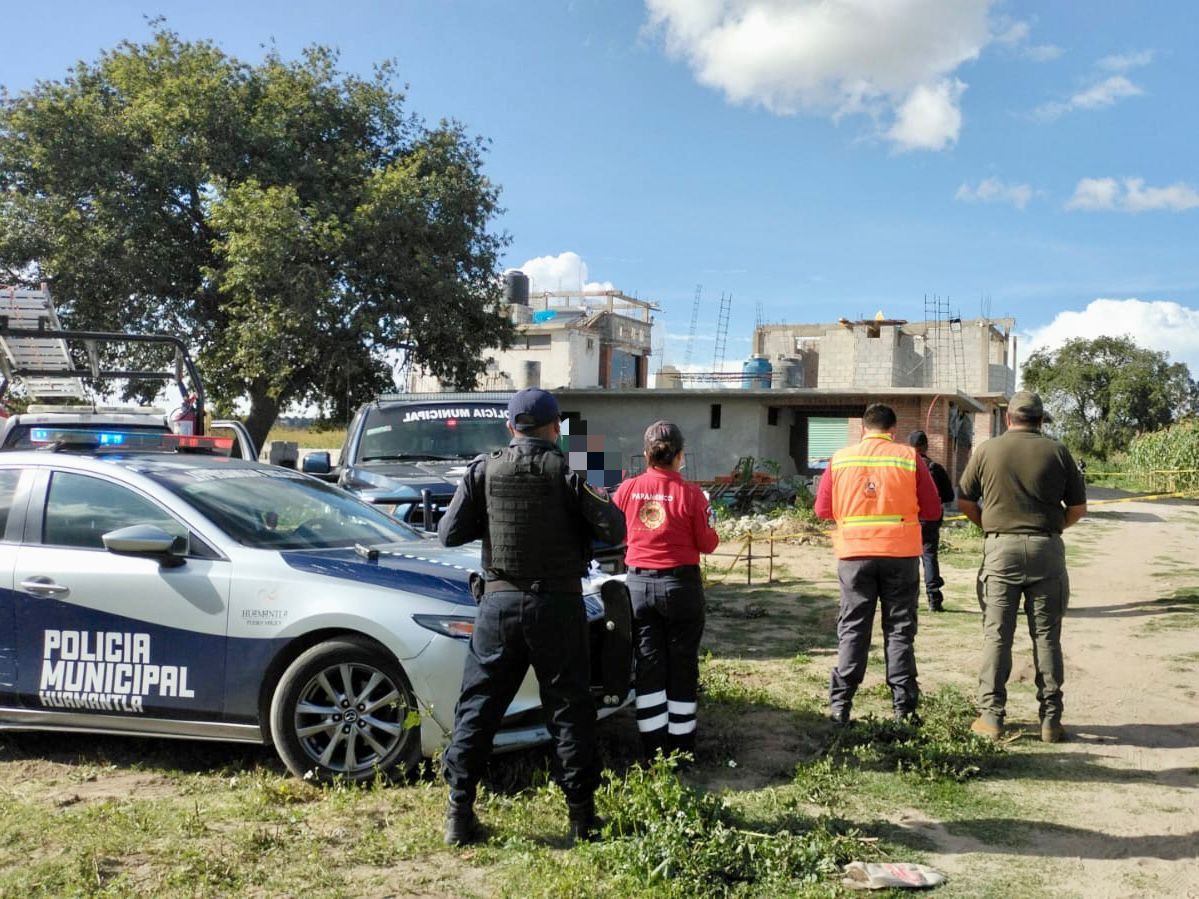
1167, 461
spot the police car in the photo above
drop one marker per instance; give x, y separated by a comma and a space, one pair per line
152, 588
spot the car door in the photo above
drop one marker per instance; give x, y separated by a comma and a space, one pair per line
115, 634
9, 480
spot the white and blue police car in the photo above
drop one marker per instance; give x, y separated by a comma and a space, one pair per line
151, 588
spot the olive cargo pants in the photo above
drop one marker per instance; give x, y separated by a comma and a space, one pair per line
1032, 568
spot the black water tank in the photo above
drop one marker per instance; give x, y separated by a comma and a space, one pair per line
516, 288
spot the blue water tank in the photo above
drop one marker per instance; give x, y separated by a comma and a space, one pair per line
755, 373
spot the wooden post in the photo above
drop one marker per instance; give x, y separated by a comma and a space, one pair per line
770, 569
749, 559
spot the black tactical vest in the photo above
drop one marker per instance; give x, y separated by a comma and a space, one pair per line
534, 528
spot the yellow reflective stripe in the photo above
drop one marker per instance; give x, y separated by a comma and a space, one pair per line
866, 521
875, 462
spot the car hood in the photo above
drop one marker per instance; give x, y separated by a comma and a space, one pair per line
450, 470
423, 568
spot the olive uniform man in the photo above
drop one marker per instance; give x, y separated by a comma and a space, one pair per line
1023, 489
537, 520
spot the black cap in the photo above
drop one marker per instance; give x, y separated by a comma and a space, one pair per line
918, 440
532, 408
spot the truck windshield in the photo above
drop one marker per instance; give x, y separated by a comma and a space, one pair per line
433, 431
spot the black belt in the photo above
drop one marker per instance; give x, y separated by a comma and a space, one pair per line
1023, 534
678, 571
535, 585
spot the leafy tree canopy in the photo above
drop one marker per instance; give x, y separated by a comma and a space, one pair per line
1105, 391
292, 221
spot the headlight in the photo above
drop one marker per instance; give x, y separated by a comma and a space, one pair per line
458, 627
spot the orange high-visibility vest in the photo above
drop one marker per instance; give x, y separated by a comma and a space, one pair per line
874, 499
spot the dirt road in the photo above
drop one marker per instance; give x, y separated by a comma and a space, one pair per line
1123, 819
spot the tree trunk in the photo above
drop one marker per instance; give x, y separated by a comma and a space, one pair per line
264, 409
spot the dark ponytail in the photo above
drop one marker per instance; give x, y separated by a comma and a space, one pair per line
663, 442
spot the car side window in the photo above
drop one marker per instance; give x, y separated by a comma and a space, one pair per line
80, 510
8, 488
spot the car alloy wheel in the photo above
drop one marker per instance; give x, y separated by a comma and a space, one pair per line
344, 708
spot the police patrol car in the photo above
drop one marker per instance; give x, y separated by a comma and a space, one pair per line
152, 588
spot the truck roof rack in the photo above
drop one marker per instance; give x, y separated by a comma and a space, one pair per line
34, 347
27, 309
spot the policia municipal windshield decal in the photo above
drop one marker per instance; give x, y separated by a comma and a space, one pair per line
107, 671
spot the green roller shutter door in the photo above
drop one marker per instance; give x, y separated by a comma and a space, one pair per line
825, 437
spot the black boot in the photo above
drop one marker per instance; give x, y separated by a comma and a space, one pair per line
585, 824
935, 601
462, 826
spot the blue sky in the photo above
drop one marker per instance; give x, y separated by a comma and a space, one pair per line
815, 160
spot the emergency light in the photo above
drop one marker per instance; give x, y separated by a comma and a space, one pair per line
84, 438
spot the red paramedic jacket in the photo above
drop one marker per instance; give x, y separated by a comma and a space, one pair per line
670, 522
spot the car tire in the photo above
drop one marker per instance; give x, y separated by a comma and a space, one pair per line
344, 710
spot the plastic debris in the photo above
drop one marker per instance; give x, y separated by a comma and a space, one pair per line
888, 875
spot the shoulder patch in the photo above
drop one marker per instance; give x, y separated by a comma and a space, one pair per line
598, 492
495, 454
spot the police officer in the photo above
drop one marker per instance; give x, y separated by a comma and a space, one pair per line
930, 531
537, 520
1023, 489
877, 491
670, 524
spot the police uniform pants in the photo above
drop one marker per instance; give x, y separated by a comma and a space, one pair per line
514, 630
1032, 568
865, 584
668, 622
930, 538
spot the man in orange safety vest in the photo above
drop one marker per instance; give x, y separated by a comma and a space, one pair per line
877, 491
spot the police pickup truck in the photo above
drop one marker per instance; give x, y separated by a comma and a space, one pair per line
44, 361
407, 452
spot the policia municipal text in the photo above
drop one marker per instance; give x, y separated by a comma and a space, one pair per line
537, 520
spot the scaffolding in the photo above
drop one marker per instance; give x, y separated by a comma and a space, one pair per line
699, 288
944, 353
722, 331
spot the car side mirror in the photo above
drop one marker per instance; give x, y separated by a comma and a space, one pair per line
148, 540
317, 463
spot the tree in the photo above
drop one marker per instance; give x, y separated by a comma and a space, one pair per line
1105, 391
293, 222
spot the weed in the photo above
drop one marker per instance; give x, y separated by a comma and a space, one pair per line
941, 748
679, 841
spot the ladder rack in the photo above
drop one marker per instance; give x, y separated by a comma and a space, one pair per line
28, 309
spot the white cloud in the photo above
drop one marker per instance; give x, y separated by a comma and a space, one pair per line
1042, 52
1160, 325
1097, 96
1016, 35
890, 59
929, 118
1105, 93
1124, 61
566, 271
994, 190
1131, 195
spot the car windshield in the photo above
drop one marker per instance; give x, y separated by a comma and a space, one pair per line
433, 431
279, 509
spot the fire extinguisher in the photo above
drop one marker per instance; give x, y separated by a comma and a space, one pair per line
183, 419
